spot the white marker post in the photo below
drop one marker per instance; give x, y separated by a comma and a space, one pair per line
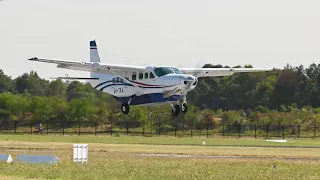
6, 157
80, 153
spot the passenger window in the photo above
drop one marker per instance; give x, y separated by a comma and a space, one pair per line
151, 75
117, 79
126, 78
113, 80
146, 75
140, 75
134, 77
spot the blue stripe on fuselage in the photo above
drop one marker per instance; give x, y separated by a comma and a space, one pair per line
125, 84
105, 82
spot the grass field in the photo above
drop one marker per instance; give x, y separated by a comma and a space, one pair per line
159, 140
122, 158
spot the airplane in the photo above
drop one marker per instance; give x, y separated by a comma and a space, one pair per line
142, 85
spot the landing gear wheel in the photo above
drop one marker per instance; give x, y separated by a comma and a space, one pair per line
184, 108
176, 110
125, 108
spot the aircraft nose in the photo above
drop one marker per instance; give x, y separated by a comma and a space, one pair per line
190, 80
195, 81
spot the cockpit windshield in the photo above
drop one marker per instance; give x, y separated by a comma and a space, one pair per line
176, 70
161, 71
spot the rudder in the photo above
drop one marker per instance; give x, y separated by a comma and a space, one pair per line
94, 57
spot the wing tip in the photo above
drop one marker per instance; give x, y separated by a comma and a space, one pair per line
33, 59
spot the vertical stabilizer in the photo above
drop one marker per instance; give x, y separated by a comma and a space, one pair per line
94, 57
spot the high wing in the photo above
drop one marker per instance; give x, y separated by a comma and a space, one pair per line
212, 72
121, 69
90, 66
97, 67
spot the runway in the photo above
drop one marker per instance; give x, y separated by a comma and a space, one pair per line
187, 155
170, 155
225, 157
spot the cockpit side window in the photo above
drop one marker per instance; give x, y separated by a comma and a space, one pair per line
151, 75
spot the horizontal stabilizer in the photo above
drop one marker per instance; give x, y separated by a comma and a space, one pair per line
77, 78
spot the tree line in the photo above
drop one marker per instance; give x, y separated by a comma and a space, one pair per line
283, 96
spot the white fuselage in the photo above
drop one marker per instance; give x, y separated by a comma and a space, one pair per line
146, 88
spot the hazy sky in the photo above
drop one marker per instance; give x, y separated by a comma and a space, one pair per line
183, 33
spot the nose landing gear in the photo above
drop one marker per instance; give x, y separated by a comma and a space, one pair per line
184, 106
175, 110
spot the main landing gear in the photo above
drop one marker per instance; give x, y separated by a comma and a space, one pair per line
125, 108
176, 109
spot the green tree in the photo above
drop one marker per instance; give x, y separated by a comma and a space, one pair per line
57, 88
6, 83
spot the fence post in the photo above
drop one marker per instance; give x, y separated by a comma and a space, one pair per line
298, 131
314, 131
207, 129
101, 125
282, 131
175, 130
31, 126
62, 122
160, 120
15, 126
223, 129
191, 130
267, 130
127, 128
255, 130
95, 127
111, 130
78, 126
143, 126
47, 127
159, 128
239, 130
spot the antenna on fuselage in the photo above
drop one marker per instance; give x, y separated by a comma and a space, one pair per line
67, 81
